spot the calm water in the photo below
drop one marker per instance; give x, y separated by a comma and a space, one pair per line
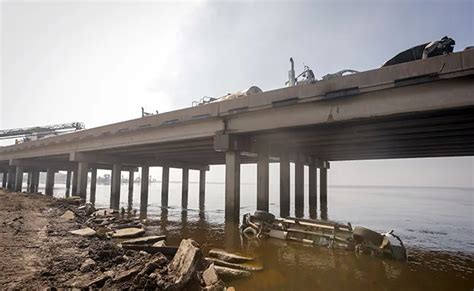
436, 225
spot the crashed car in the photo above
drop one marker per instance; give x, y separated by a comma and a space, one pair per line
330, 234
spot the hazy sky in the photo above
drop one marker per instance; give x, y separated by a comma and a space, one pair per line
99, 62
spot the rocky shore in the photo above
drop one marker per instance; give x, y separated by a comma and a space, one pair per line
59, 243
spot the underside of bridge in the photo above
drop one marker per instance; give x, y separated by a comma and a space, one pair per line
413, 110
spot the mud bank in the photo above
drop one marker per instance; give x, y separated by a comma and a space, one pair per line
47, 242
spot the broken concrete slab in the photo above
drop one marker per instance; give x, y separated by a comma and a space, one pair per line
125, 275
128, 232
105, 212
145, 240
185, 262
68, 215
84, 232
210, 276
231, 274
245, 267
167, 251
229, 257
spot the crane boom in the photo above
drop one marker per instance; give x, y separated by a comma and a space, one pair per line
40, 131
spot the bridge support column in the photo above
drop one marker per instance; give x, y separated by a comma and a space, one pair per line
323, 192
262, 181
284, 185
18, 178
82, 170
115, 187
74, 182
49, 182
185, 188
131, 179
28, 181
11, 179
34, 182
68, 183
144, 191
4, 180
165, 183
202, 189
93, 185
232, 186
313, 193
299, 188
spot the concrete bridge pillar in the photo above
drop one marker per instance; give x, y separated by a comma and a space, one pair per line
115, 187
299, 188
165, 182
284, 185
144, 191
202, 189
82, 170
323, 192
33, 187
185, 188
131, 179
313, 193
18, 178
4, 180
232, 186
263, 181
11, 179
28, 180
93, 185
49, 182
68, 183
74, 182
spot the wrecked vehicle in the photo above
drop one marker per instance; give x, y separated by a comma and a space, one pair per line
330, 234
423, 51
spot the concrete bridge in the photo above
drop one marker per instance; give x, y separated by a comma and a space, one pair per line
419, 109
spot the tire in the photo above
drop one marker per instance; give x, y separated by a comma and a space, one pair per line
264, 216
364, 234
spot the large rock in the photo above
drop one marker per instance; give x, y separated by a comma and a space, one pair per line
209, 276
68, 215
145, 240
84, 232
185, 263
128, 232
229, 257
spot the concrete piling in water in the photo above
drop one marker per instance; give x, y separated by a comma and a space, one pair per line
313, 194
263, 180
284, 185
232, 186
185, 188
323, 192
299, 188
131, 179
165, 182
202, 189
115, 187
93, 185
144, 191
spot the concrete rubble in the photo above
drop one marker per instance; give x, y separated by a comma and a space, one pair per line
118, 253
